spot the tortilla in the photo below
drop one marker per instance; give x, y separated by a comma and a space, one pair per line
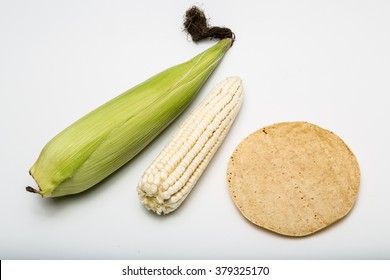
293, 178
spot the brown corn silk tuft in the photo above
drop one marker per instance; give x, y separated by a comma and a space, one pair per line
196, 24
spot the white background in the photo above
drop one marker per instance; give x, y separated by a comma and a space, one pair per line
325, 62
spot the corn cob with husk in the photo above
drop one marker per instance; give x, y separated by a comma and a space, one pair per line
105, 139
174, 173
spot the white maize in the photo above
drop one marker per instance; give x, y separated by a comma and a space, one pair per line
173, 174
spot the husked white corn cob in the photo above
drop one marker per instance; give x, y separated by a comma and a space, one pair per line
173, 174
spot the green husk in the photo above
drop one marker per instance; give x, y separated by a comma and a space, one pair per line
102, 141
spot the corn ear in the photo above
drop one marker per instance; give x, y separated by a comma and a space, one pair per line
174, 173
99, 143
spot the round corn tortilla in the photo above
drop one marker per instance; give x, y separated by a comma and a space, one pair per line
293, 178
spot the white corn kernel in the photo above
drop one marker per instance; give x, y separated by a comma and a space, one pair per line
189, 151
